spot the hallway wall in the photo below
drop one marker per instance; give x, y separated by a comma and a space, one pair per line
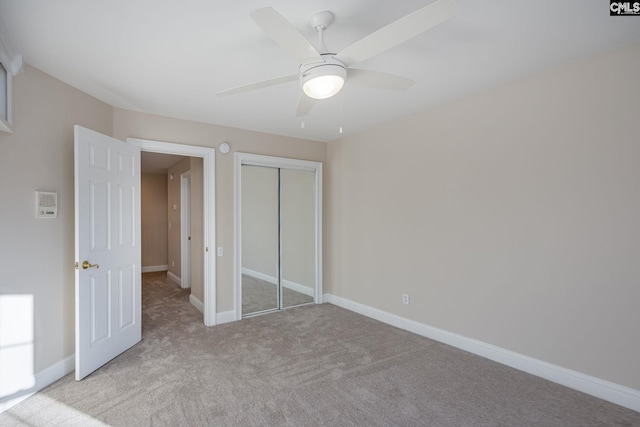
154, 220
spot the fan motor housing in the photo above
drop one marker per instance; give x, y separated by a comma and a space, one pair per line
331, 71
328, 64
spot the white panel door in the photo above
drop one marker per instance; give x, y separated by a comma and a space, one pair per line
107, 220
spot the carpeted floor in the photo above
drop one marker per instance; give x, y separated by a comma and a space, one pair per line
307, 366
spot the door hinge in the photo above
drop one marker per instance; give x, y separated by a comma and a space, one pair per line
206, 248
77, 267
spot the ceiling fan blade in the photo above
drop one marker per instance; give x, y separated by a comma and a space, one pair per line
305, 105
378, 80
398, 31
259, 85
284, 34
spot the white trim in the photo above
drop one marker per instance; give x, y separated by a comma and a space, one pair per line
221, 317
154, 268
185, 229
43, 379
12, 62
606, 390
196, 303
209, 211
9, 56
285, 163
300, 288
174, 278
261, 276
226, 317
6, 123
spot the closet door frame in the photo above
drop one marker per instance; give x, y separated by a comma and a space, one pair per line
282, 163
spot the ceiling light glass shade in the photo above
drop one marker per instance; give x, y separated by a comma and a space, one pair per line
323, 81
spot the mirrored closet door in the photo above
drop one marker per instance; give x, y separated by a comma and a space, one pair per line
278, 208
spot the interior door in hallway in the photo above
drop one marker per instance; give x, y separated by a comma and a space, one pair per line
107, 249
185, 230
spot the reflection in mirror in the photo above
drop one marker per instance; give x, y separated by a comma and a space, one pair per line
259, 239
297, 233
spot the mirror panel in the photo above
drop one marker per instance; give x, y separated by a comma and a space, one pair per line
297, 232
260, 247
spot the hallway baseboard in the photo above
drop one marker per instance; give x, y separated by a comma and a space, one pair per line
175, 279
223, 317
196, 303
154, 268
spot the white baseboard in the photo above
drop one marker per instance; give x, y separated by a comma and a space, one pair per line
43, 379
53, 373
175, 279
154, 268
196, 303
274, 280
225, 317
298, 287
606, 390
261, 276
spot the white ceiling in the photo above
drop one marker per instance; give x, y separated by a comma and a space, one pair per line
172, 57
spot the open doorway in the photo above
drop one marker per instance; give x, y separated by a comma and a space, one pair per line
167, 216
168, 211
204, 298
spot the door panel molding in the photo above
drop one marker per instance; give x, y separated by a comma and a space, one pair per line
107, 236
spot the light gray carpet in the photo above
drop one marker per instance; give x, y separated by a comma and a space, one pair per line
308, 366
258, 295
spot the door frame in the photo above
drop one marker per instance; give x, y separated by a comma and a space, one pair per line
185, 229
209, 211
284, 163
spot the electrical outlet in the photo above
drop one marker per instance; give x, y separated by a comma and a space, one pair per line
173, 263
405, 298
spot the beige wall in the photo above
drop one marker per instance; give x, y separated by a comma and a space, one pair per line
154, 219
37, 255
148, 126
173, 215
510, 216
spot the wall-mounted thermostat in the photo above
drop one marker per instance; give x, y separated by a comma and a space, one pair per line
46, 204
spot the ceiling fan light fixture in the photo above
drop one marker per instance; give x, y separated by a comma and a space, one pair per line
323, 81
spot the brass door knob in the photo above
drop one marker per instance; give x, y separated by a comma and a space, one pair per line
87, 264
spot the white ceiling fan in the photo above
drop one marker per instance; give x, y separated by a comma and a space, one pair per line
323, 73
